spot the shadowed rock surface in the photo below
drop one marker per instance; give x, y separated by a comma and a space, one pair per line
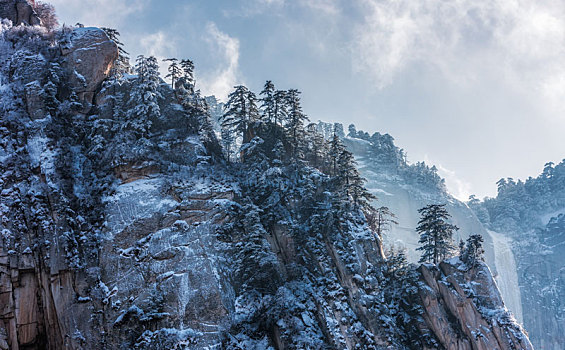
19, 12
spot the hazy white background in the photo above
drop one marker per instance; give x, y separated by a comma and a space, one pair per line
476, 87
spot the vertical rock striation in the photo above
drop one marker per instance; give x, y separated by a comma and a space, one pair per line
464, 309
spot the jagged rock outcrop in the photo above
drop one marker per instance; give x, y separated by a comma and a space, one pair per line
19, 12
89, 56
464, 310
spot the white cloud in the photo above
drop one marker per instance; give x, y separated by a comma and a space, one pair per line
157, 44
221, 81
456, 186
326, 7
521, 43
251, 8
100, 13
161, 45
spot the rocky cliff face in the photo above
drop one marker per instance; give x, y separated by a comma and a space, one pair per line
155, 242
464, 309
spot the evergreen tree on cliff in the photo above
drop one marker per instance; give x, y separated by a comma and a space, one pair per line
241, 112
268, 101
121, 65
187, 77
175, 71
295, 122
380, 220
144, 97
436, 234
473, 251
351, 181
336, 147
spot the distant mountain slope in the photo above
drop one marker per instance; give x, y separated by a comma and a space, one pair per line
405, 188
532, 214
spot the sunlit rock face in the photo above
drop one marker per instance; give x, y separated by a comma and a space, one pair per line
89, 56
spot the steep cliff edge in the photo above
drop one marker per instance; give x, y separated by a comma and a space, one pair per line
117, 235
464, 309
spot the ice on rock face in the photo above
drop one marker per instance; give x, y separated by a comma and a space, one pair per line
136, 200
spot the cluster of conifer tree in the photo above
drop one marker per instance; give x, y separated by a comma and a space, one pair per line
273, 127
436, 238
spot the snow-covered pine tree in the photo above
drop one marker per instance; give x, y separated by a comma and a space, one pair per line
144, 97
228, 143
473, 252
175, 71
186, 79
351, 181
380, 220
336, 148
295, 122
121, 65
352, 130
241, 113
268, 101
316, 147
436, 234
279, 107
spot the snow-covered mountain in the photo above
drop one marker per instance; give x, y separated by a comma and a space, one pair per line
531, 215
125, 225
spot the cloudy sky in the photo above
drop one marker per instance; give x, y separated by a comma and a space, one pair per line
476, 87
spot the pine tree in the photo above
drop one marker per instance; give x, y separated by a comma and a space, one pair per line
336, 148
182, 76
175, 71
352, 130
295, 122
435, 233
144, 97
316, 147
268, 101
380, 220
473, 252
351, 181
241, 113
187, 80
279, 107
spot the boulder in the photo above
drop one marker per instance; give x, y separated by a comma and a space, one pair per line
89, 57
